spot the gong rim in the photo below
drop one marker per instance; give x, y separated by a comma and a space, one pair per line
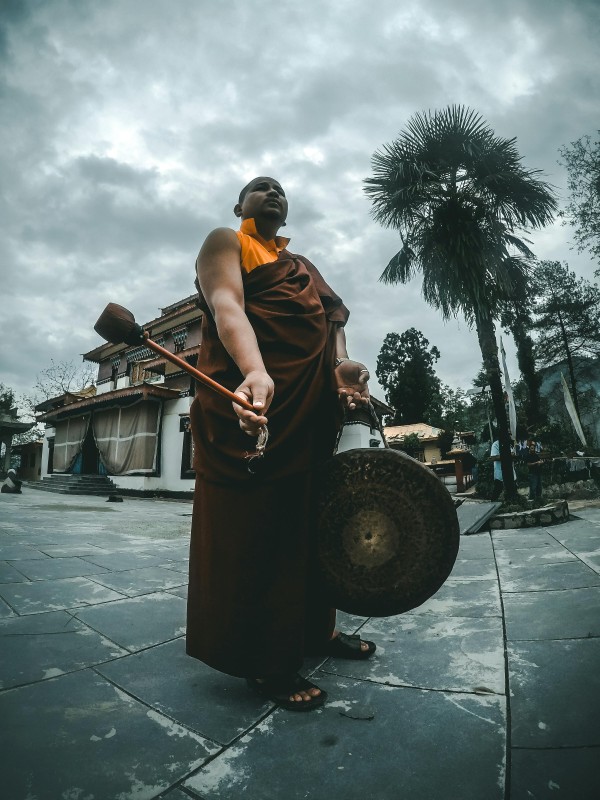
387, 532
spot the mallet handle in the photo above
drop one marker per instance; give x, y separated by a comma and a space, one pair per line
200, 376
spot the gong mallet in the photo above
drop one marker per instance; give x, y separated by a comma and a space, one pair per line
116, 324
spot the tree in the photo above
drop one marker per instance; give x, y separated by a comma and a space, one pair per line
567, 310
582, 161
12, 407
461, 201
7, 399
61, 377
405, 371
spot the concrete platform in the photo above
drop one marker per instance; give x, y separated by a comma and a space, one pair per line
488, 691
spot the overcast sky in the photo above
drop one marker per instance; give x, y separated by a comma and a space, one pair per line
128, 127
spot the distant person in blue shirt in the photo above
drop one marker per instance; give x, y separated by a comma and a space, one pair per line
495, 457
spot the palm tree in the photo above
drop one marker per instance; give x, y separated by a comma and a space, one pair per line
461, 201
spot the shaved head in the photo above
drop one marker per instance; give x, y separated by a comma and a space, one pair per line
248, 186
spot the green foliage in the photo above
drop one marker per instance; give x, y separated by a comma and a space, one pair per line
582, 161
485, 479
7, 399
458, 195
567, 313
405, 369
411, 445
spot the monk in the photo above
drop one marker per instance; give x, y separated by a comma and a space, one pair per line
272, 331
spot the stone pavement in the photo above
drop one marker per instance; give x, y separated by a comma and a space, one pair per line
100, 702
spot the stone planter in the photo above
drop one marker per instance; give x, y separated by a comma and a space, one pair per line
552, 514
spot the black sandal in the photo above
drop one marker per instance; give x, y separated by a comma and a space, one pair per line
348, 646
279, 688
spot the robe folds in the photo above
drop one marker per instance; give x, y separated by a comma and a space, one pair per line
254, 608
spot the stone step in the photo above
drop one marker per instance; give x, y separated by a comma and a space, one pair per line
98, 485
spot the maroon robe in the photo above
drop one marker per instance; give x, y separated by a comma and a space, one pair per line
253, 606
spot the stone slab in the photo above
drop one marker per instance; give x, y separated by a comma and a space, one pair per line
567, 614
522, 556
177, 566
592, 560
10, 574
142, 581
464, 598
535, 537
122, 561
535, 578
39, 596
590, 514
78, 736
398, 753
477, 569
179, 591
473, 516
212, 704
571, 774
16, 552
476, 546
50, 568
49, 648
62, 550
138, 622
555, 691
431, 651
5, 610
574, 539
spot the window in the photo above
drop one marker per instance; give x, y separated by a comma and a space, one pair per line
187, 450
179, 339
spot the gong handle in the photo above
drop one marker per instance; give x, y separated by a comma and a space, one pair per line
200, 376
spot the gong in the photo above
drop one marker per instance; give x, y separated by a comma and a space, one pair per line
388, 534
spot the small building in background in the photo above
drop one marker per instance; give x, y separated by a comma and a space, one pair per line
10, 426
428, 436
29, 456
451, 460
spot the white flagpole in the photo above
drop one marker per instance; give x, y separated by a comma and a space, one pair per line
512, 411
571, 409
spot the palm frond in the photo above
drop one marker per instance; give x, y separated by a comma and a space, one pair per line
463, 200
400, 268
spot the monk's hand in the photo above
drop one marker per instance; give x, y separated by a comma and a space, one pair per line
258, 388
351, 381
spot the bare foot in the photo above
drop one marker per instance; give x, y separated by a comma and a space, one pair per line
363, 645
299, 696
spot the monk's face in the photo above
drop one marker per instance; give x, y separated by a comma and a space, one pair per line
265, 199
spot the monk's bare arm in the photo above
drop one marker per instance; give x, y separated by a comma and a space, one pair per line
219, 275
351, 376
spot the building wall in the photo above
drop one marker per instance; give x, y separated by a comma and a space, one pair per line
31, 462
169, 479
170, 456
431, 450
50, 432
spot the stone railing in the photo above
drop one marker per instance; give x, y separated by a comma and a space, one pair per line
552, 514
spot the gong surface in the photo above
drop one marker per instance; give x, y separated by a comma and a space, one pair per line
388, 534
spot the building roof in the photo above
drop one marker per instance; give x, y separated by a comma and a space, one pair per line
427, 433
180, 313
66, 398
117, 397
